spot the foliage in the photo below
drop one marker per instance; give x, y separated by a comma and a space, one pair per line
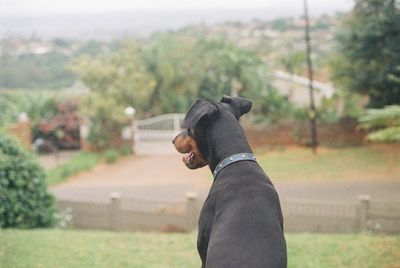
185, 67
172, 63
272, 107
42, 248
369, 51
234, 70
119, 76
24, 200
83, 161
111, 155
62, 129
294, 61
166, 76
391, 134
36, 104
117, 81
53, 117
385, 122
125, 150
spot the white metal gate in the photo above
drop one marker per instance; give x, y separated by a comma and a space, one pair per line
154, 135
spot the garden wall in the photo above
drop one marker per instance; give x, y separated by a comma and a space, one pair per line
22, 132
343, 133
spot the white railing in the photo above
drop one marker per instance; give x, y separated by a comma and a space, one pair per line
327, 89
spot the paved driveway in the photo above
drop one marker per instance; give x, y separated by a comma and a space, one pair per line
165, 178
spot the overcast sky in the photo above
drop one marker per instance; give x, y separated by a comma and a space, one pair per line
12, 7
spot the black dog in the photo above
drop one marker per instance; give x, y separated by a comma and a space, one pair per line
241, 223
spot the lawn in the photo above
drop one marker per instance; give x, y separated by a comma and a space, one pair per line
337, 164
83, 161
69, 249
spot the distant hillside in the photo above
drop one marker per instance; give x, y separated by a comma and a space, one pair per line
35, 62
115, 25
280, 42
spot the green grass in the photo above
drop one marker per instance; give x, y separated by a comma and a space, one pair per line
83, 161
351, 163
69, 249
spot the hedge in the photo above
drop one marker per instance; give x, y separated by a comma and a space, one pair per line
24, 199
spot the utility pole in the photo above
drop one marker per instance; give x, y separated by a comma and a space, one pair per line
312, 112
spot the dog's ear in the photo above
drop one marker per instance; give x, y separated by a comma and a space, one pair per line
200, 110
240, 105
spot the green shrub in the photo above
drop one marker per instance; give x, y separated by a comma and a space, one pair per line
272, 108
111, 155
125, 150
24, 200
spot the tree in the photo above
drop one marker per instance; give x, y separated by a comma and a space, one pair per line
116, 81
294, 61
231, 70
171, 62
166, 74
185, 67
370, 52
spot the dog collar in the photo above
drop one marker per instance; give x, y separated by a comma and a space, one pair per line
232, 159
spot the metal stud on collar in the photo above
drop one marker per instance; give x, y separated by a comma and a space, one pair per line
232, 159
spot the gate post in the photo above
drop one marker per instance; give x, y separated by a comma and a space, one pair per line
130, 115
177, 126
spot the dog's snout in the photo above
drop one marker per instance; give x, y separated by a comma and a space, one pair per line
177, 136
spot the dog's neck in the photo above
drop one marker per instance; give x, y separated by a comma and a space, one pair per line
225, 137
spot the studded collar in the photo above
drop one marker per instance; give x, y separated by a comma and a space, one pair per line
232, 159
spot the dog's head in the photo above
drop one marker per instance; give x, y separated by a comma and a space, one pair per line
202, 113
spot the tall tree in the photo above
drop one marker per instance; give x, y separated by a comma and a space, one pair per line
369, 44
116, 81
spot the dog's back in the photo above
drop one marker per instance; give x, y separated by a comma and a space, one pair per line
241, 223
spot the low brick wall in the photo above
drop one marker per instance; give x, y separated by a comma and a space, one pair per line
343, 133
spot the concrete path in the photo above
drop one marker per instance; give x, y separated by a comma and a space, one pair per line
164, 178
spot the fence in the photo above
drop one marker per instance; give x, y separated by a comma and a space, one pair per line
300, 215
154, 135
122, 214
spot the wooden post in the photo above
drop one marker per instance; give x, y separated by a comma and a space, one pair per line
363, 215
191, 211
115, 207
